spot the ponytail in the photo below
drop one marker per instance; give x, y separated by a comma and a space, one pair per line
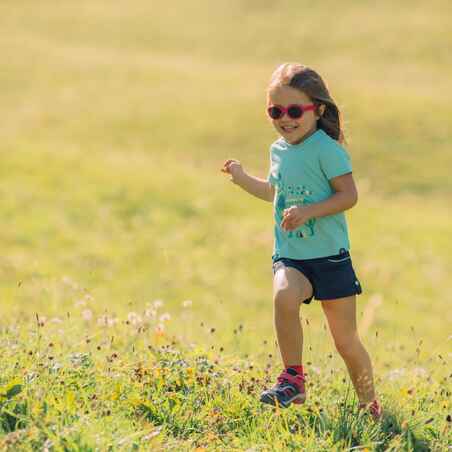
330, 121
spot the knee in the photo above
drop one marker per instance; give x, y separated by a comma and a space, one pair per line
286, 300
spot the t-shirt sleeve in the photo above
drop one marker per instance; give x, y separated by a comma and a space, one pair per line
335, 161
271, 172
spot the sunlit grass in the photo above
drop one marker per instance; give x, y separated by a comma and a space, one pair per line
135, 279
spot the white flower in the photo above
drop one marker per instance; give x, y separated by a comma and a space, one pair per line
419, 372
158, 303
395, 374
134, 318
102, 320
87, 314
187, 303
112, 321
150, 313
164, 317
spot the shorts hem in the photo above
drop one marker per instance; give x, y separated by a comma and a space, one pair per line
335, 297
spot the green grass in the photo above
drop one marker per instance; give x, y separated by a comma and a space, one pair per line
116, 119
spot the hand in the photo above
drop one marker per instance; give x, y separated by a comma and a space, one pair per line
294, 217
234, 168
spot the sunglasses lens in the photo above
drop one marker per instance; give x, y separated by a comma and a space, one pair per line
274, 112
295, 112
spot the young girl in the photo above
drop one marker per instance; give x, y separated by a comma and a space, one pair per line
311, 176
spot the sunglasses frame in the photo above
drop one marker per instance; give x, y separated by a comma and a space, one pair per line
285, 110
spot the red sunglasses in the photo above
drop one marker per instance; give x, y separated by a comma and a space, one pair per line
294, 111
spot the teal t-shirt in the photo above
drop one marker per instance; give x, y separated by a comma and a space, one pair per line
300, 174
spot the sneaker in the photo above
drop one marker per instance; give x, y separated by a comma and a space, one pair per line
373, 408
289, 389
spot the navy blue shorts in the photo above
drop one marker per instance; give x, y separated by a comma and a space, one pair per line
331, 276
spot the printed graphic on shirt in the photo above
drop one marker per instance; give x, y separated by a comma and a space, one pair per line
293, 195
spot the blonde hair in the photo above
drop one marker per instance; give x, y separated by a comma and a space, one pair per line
309, 82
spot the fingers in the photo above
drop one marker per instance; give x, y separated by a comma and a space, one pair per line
226, 164
285, 226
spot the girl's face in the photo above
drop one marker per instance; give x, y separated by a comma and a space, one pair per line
292, 130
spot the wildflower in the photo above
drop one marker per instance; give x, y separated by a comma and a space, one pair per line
419, 372
134, 318
164, 317
159, 329
157, 304
87, 314
104, 320
395, 374
150, 313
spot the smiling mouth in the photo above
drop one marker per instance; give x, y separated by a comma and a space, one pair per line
289, 129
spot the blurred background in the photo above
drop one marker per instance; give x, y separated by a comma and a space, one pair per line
116, 118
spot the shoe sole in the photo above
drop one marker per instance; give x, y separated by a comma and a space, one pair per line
297, 400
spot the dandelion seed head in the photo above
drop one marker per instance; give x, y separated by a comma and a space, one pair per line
87, 314
112, 321
104, 320
134, 318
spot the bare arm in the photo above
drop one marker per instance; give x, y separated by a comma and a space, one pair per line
257, 187
345, 197
260, 188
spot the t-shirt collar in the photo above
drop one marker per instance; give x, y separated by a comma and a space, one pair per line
306, 140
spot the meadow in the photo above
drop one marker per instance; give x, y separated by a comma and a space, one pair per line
135, 279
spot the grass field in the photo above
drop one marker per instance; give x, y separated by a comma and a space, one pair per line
135, 279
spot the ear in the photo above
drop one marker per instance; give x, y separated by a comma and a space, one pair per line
321, 110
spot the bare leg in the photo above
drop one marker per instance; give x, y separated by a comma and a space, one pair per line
290, 288
341, 316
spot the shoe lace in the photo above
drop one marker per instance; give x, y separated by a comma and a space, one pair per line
298, 380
